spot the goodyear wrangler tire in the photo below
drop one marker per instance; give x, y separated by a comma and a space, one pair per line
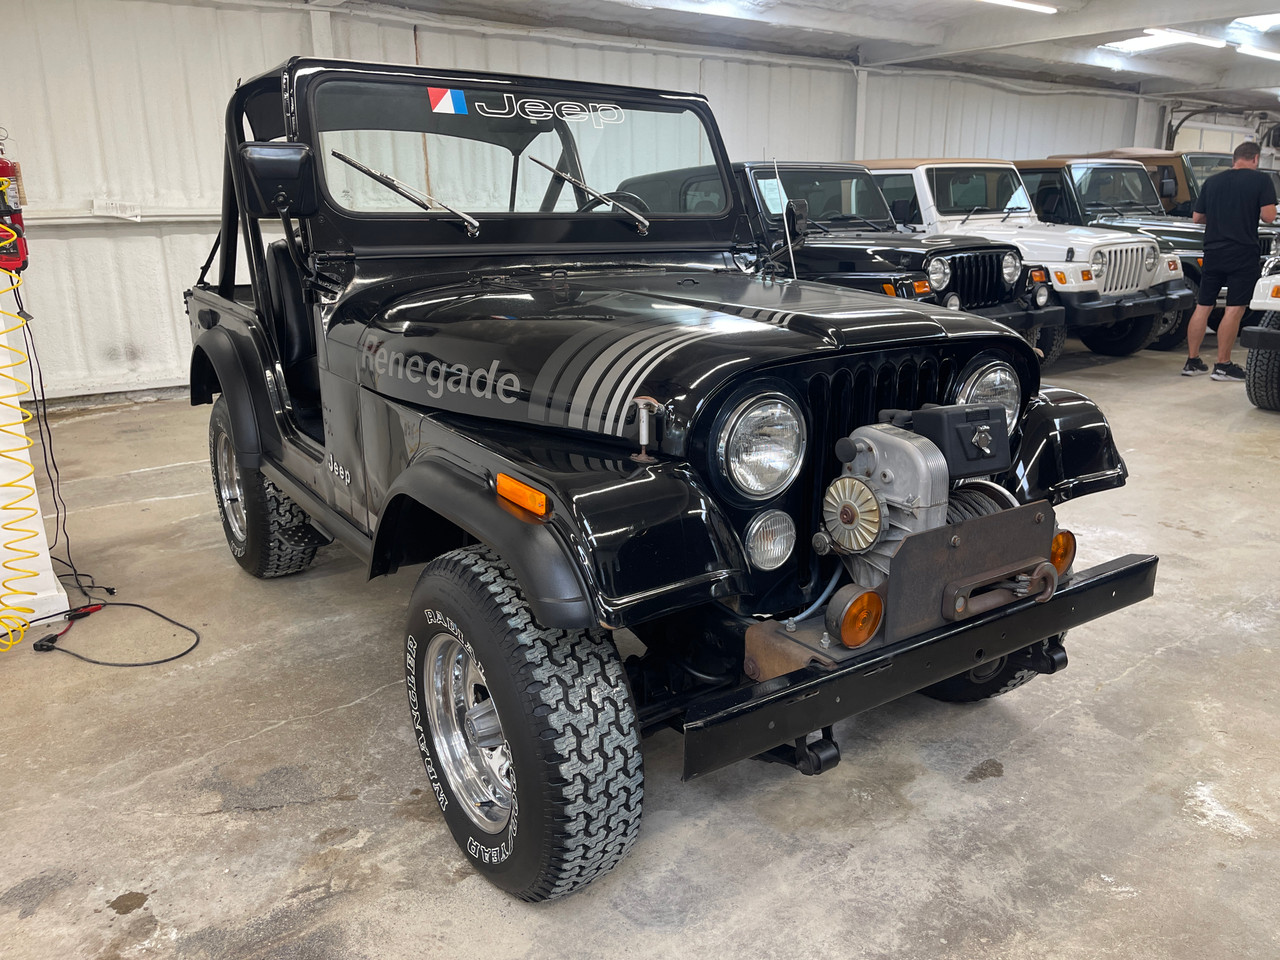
1262, 370
1122, 338
528, 734
269, 534
984, 681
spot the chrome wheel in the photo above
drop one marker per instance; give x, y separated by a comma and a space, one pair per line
230, 490
467, 733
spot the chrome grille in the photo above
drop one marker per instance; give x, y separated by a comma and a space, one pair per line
1268, 244
1124, 269
976, 277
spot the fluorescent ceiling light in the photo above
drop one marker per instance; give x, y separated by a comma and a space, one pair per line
1268, 21
1253, 51
1140, 44
1024, 5
1181, 36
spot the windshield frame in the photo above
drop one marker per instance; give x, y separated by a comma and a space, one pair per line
930, 176
758, 170
341, 228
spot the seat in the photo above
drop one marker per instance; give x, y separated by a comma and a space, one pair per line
1048, 199
291, 322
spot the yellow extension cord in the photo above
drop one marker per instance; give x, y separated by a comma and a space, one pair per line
13, 436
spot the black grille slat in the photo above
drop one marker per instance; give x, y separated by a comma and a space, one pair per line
977, 279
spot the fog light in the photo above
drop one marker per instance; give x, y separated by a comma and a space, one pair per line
1063, 551
953, 301
854, 615
1042, 295
770, 539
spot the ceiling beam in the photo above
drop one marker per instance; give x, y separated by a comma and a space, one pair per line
1254, 75
1010, 28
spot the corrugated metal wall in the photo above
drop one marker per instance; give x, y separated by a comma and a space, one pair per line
916, 116
123, 100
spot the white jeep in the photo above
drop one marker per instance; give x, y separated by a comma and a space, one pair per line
1116, 287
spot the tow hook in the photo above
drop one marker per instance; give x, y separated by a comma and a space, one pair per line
1047, 657
810, 759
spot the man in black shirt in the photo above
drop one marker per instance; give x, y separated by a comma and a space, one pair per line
1230, 205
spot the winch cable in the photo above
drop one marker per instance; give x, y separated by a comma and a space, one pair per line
13, 618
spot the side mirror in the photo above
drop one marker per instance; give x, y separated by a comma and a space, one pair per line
797, 214
1168, 189
281, 179
900, 209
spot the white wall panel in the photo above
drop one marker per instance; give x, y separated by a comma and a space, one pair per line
920, 116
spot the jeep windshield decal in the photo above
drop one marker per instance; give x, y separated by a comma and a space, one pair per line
470, 147
967, 191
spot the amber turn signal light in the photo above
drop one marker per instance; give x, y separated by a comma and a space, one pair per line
1086, 275
522, 495
921, 287
1040, 276
1172, 264
1199, 261
1063, 551
888, 289
1060, 276
861, 619
1275, 291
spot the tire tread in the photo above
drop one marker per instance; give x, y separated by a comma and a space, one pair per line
1262, 370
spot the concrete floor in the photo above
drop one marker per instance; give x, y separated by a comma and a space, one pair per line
263, 797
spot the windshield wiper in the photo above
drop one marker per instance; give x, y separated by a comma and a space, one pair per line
841, 217
1010, 211
972, 212
417, 197
642, 224
1102, 203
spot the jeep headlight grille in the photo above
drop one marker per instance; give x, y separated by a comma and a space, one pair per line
993, 382
1011, 268
939, 271
761, 446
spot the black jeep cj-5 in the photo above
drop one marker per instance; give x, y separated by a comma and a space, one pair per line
467, 348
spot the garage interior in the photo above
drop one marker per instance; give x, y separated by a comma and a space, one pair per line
261, 796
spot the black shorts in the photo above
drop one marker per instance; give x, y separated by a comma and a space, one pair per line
1239, 279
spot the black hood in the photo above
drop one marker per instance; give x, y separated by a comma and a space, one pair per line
576, 351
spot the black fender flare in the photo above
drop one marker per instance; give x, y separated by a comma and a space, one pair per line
553, 583
1066, 450
216, 365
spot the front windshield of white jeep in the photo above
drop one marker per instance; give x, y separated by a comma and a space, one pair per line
1205, 165
967, 191
1118, 187
474, 148
832, 196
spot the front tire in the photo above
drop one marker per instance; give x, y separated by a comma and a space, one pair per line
1050, 341
1122, 338
984, 681
1262, 370
528, 734
269, 534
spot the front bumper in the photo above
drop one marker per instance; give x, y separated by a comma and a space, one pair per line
1091, 309
1260, 338
748, 721
1020, 317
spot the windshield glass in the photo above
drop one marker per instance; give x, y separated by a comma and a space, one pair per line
964, 190
832, 195
473, 147
1205, 165
1115, 186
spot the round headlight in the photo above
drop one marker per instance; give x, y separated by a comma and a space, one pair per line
939, 273
770, 539
994, 382
1098, 262
1042, 294
1149, 261
762, 446
1011, 267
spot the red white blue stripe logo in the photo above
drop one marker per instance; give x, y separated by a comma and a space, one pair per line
446, 101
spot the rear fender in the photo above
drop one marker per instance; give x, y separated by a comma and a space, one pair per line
1066, 450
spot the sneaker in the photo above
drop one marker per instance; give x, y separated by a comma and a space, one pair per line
1194, 367
1227, 371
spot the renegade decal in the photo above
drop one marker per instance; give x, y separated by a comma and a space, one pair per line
531, 108
446, 101
483, 383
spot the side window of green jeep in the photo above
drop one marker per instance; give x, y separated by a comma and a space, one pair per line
900, 187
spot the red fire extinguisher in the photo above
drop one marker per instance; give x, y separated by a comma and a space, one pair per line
13, 239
